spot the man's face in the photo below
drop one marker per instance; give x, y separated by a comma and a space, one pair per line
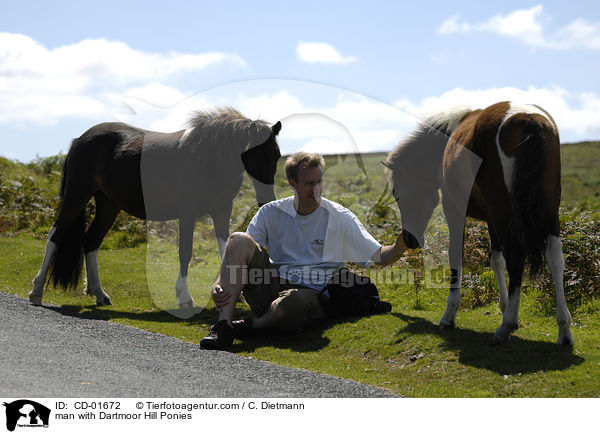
309, 187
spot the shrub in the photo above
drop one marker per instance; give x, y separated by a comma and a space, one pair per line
479, 289
25, 203
29, 200
48, 165
477, 245
580, 235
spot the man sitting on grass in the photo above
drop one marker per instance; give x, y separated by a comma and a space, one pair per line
309, 240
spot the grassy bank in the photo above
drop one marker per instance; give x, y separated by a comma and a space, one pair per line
403, 351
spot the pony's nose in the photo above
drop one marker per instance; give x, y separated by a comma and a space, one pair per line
410, 240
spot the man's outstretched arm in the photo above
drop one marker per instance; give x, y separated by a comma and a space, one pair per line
387, 255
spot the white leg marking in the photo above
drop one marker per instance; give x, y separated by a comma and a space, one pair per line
455, 252
453, 302
93, 286
221, 243
35, 296
498, 265
511, 316
183, 293
91, 271
510, 319
556, 262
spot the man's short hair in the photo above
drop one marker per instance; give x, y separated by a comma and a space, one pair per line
293, 163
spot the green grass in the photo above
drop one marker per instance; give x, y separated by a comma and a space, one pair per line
403, 351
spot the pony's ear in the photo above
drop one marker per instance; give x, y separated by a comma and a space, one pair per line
386, 164
276, 128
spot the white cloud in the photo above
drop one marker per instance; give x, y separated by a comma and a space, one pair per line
451, 25
320, 52
42, 85
157, 108
346, 122
526, 25
343, 121
269, 106
318, 116
46, 109
156, 94
579, 33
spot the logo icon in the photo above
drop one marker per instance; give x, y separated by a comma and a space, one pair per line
26, 413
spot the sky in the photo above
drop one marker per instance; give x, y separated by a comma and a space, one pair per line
342, 76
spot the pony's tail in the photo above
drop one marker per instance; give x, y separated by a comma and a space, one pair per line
528, 196
67, 262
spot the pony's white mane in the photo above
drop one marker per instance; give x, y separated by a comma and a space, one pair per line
445, 121
223, 126
433, 124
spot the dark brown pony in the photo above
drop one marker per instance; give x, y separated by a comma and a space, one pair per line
155, 176
500, 165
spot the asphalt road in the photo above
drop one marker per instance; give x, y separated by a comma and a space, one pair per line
48, 352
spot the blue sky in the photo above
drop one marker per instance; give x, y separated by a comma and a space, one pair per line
372, 67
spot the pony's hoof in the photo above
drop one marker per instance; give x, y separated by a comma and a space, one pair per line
447, 326
503, 333
104, 302
566, 341
186, 305
497, 341
35, 299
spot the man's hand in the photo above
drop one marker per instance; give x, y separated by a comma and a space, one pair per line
400, 246
390, 254
221, 297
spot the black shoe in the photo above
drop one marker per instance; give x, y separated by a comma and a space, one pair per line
243, 328
383, 307
219, 338
377, 306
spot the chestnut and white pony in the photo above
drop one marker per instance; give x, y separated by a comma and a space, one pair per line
500, 165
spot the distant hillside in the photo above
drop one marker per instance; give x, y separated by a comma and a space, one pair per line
581, 175
29, 191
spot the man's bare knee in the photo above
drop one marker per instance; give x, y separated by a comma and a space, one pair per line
241, 243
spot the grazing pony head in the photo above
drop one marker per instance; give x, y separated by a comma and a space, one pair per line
416, 172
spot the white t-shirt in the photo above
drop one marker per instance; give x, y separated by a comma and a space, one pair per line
309, 249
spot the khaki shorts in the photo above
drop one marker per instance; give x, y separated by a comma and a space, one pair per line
294, 306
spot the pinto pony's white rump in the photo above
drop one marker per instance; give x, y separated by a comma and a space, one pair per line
500, 165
